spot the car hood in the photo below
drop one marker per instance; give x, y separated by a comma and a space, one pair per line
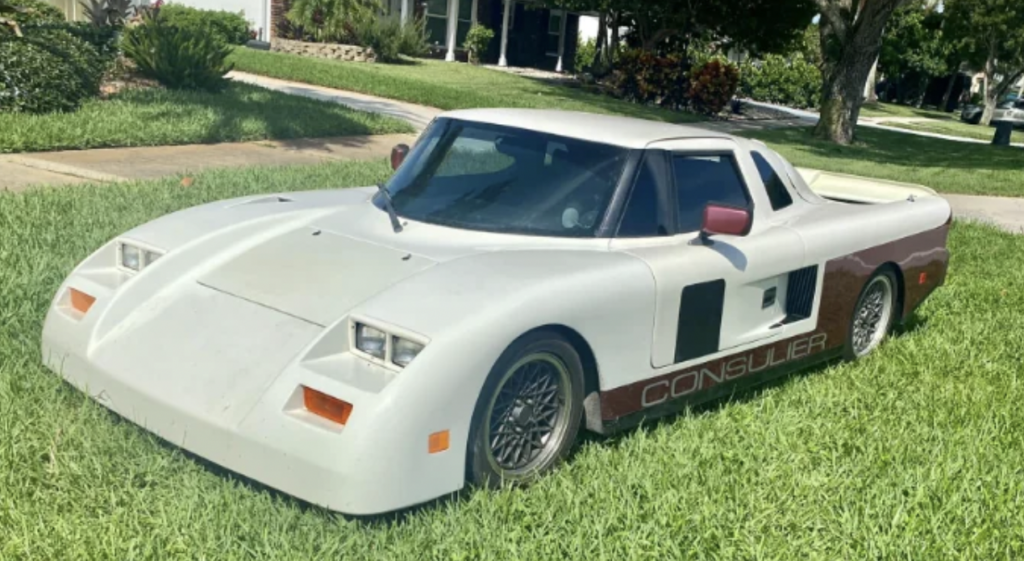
323, 269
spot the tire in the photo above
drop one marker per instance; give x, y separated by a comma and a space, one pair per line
528, 413
873, 316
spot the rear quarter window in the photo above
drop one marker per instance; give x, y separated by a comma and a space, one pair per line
778, 194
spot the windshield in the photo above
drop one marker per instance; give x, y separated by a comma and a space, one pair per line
480, 176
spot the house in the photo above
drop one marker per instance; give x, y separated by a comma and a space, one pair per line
526, 35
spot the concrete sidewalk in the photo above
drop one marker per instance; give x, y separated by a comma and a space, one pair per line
419, 116
69, 167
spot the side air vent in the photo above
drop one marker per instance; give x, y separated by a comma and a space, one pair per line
800, 293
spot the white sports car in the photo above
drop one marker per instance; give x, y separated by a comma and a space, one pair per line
523, 274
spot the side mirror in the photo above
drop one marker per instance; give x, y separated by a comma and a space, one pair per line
725, 219
398, 154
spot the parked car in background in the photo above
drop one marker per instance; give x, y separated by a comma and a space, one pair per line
1010, 109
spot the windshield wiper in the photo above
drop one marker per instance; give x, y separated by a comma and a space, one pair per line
395, 224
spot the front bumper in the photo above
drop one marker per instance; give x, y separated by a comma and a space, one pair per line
221, 377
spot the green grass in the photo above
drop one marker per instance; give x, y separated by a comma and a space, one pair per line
913, 453
945, 165
879, 109
157, 117
443, 85
956, 128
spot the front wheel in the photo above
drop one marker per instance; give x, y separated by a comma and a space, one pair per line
529, 411
873, 316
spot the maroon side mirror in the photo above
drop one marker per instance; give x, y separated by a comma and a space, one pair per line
725, 219
398, 154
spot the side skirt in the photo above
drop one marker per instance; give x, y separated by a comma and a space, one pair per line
740, 385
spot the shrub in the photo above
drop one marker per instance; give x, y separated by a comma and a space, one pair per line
103, 39
102, 13
414, 38
586, 52
389, 38
642, 77
183, 58
477, 39
330, 20
712, 85
47, 70
229, 28
795, 83
29, 12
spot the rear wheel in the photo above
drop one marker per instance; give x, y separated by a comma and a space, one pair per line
873, 316
529, 412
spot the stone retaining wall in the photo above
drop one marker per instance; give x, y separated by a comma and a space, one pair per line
333, 51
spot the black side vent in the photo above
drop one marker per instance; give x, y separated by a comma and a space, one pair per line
800, 294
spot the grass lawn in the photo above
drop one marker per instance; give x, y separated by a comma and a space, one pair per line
956, 128
944, 165
879, 109
158, 117
440, 84
913, 453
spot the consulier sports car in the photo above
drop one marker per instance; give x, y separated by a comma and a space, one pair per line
523, 275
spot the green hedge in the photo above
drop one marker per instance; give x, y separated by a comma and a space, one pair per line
34, 12
228, 27
47, 70
793, 83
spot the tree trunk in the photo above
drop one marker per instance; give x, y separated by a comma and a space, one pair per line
601, 45
990, 88
949, 90
850, 44
614, 46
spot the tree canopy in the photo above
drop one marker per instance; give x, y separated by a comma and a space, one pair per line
990, 33
755, 25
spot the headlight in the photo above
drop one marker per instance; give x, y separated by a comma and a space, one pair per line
135, 258
131, 257
371, 340
404, 350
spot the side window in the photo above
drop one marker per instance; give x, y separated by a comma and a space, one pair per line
473, 153
641, 218
777, 192
704, 179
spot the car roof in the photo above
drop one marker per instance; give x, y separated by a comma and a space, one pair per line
627, 132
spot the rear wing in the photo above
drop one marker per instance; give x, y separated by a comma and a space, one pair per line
864, 190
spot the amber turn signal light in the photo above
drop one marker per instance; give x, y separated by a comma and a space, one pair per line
323, 405
437, 442
80, 301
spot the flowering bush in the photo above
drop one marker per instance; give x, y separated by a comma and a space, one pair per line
712, 85
644, 77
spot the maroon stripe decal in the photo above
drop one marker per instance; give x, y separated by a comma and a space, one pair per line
922, 259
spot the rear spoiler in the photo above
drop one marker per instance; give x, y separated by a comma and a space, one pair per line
856, 189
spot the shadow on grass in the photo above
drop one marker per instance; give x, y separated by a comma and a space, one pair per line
874, 146
242, 112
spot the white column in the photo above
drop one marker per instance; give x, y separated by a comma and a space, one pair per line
561, 39
502, 61
405, 11
453, 28
472, 17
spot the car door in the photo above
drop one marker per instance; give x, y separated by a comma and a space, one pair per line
734, 291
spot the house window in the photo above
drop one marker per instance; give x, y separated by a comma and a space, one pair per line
554, 35
437, 21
